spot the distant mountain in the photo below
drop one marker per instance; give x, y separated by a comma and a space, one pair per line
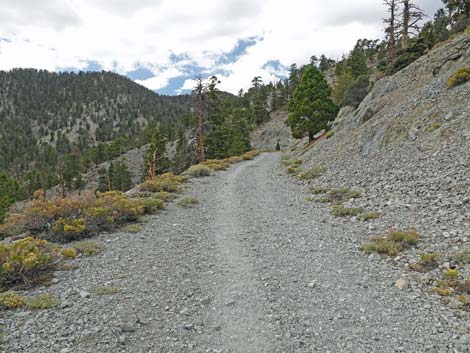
41, 111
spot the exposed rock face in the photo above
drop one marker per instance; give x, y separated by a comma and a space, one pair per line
266, 136
407, 146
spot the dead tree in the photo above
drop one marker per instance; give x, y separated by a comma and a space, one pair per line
411, 16
153, 164
392, 26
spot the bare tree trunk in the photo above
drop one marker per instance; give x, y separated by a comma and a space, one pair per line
406, 23
200, 140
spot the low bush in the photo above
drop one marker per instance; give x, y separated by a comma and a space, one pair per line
329, 134
23, 260
133, 228
427, 262
460, 77
312, 173
233, 160
12, 300
318, 190
88, 247
293, 169
69, 253
216, 164
340, 211
368, 216
42, 301
78, 217
339, 195
433, 127
188, 202
462, 257
198, 171
250, 155
167, 182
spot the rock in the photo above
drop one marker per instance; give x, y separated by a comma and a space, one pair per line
401, 283
84, 294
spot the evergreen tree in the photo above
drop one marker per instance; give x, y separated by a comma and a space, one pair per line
156, 161
10, 192
311, 108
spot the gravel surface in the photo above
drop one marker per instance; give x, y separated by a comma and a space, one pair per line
253, 268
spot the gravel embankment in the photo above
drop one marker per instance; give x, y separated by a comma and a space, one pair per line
254, 268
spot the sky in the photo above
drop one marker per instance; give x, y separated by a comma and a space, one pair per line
164, 44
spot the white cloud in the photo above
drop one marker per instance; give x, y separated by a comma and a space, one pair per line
119, 34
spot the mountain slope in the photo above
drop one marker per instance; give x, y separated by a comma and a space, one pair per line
73, 111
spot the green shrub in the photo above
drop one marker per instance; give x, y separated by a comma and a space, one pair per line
250, 155
293, 169
427, 262
42, 301
463, 257
88, 247
340, 195
433, 127
312, 173
329, 134
151, 206
460, 77
21, 261
69, 253
188, 202
318, 190
340, 211
198, 171
368, 216
216, 164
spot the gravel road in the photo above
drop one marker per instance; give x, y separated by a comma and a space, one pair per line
253, 268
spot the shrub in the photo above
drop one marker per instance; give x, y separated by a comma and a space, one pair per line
368, 216
460, 77
14, 225
216, 164
318, 190
340, 195
133, 228
165, 196
188, 202
233, 160
198, 171
106, 290
329, 134
382, 246
24, 259
340, 211
250, 155
293, 169
69, 253
42, 301
69, 228
312, 173
166, 182
12, 300
427, 262
88, 247
433, 127
151, 206
404, 237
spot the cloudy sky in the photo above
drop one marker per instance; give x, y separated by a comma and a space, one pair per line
163, 44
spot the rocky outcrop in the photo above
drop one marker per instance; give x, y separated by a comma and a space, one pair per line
407, 147
266, 136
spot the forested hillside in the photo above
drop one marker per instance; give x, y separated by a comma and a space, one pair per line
45, 115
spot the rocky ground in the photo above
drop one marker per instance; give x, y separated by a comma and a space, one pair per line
255, 267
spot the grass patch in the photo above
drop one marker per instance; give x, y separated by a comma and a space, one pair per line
340, 211
133, 228
318, 190
367, 216
167, 182
462, 257
250, 155
312, 173
460, 77
42, 301
107, 290
427, 262
216, 164
337, 195
294, 169
394, 242
329, 134
433, 127
188, 202
88, 247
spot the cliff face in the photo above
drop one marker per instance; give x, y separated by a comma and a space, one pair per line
407, 147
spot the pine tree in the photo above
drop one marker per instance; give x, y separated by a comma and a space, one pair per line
311, 108
156, 161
